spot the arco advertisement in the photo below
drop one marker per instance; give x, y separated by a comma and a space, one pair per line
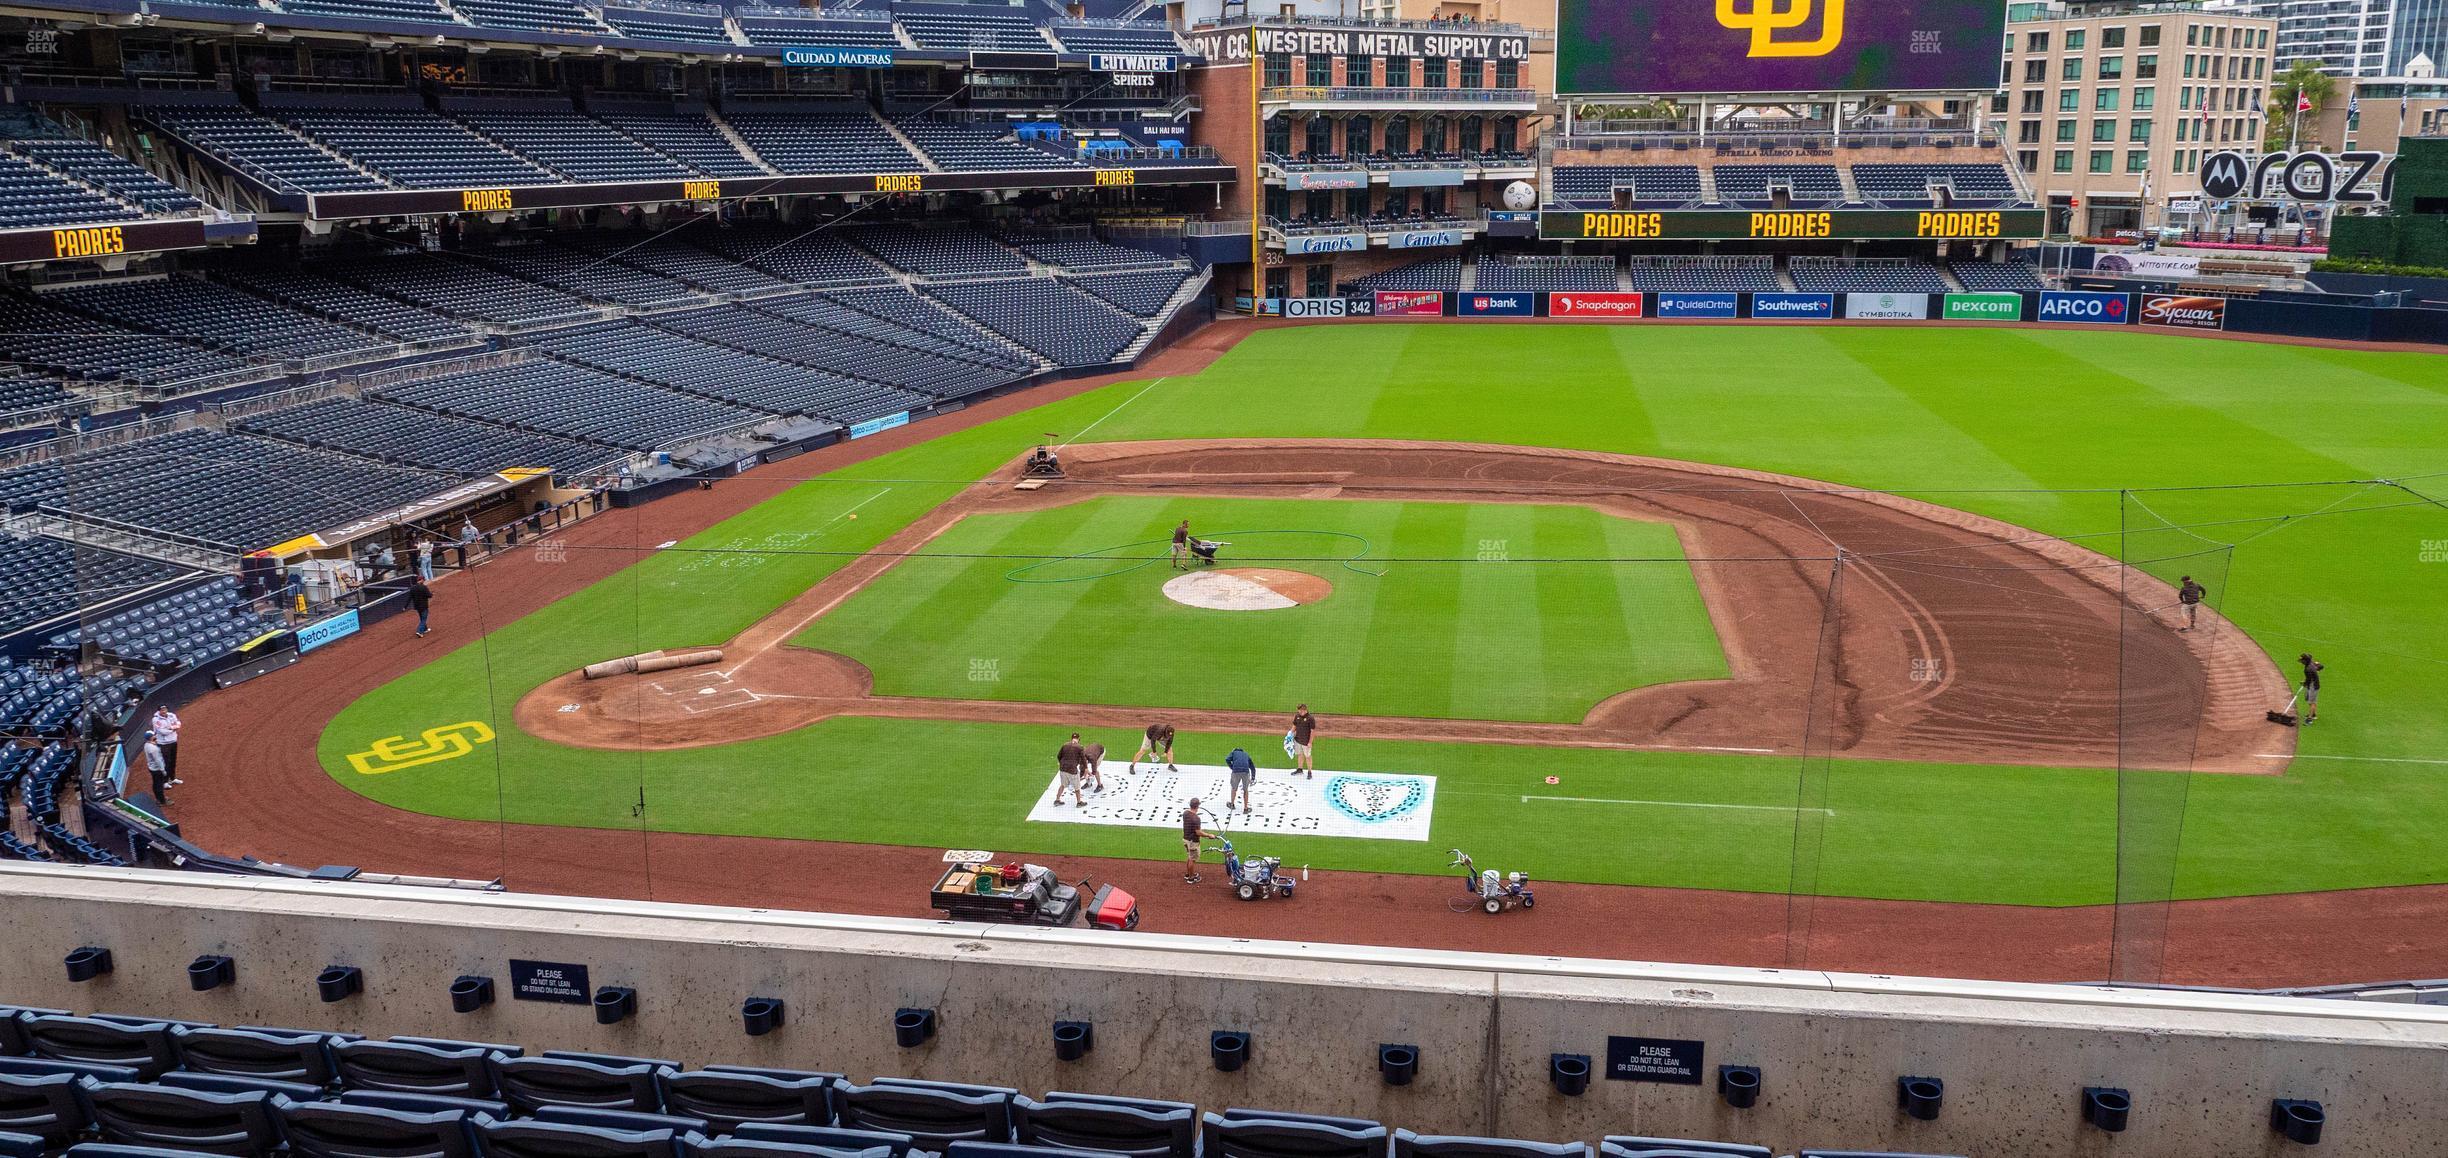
2098, 309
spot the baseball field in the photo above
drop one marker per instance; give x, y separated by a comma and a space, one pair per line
1835, 611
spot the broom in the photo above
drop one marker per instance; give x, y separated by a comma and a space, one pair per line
2285, 715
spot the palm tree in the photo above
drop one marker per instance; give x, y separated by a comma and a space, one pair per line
2301, 77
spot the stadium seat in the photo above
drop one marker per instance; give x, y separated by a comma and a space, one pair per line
531, 1083
424, 1103
934, 1116
44, 1105
409, 1068
20, 1145
628, 1120
745, 1148
548, 1140
335, 1130
1410, 1145
239, 1125
1014, 1150
728, 1098
1289, 1136
1620, 1146
45, 1067
893, 1143
235, 1084
145, 1048
1116, 1126
282, 1056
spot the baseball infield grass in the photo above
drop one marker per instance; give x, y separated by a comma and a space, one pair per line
2036, 427
1067, 606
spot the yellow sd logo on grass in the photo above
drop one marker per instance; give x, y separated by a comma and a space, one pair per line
1765, 18
434, 745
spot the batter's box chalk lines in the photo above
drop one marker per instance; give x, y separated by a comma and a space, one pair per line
1680, 804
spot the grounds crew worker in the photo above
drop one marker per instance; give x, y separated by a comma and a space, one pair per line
2190, 594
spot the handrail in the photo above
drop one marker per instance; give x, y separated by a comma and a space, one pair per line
1458, 96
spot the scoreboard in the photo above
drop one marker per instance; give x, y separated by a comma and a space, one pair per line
1790, 224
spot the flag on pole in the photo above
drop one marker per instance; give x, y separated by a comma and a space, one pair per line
2354, 104
2303, 100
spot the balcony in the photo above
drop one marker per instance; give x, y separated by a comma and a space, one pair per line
1355, 96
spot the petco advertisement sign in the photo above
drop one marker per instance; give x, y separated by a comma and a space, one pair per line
1410, 303
1594, 305
1695, 305
2183, 313
2095, 308
1887, 307
1799, 307
1522, 305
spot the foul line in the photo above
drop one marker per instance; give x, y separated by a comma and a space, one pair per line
2366, 759
1680, 804
1083, 431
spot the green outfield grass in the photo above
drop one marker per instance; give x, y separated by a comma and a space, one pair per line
2032, 426
1066, 606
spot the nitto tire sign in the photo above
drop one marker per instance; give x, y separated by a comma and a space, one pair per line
2094, 308
2183, 313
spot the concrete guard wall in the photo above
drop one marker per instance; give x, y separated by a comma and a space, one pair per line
2202, 1068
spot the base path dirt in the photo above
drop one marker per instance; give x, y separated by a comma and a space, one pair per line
255, 787
1855, 624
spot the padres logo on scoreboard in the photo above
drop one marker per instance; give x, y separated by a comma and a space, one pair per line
1765, 18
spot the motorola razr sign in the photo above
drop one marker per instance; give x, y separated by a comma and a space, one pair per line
2357, 177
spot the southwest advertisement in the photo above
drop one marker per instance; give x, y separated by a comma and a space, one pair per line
2183, 313
1798, 307
1721, 46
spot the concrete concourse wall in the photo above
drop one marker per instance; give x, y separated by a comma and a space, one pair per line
2202, 1068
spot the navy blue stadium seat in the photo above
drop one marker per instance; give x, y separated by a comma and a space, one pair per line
20, 1145
1288, 1136
730, 1097
143, 1047
239, 1125
237, 1084
44, 1105
530, 1083
1115, 1126
409, 1068
1625, 1146
894, 1143
289, 1056
549, 1140
630, 1120
1410, 1145
936, 1115
335, 1130
1014, 1150
424, 1103
41, 1067
12, 1026
117, 1150
701, 1147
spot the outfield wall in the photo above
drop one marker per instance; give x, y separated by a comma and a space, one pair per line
2202, 1069
2347, 319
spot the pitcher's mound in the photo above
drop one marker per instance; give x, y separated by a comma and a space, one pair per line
1246, 589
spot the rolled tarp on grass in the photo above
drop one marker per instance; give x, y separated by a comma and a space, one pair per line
653, 661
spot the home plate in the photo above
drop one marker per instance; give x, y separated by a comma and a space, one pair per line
1373, 805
